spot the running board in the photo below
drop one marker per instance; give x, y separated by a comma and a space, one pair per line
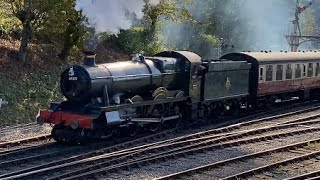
155, 120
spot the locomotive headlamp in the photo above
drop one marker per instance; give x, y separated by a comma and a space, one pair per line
75, 124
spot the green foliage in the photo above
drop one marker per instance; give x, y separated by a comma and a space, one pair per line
137, 40
73, 34
148, 39
172, 10
104, 36
308, 20
30, 93
54, 22
49, 21
209, 21
8, 22
211, 39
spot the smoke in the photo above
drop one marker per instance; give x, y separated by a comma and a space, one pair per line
247, 24
264, 24
111, 15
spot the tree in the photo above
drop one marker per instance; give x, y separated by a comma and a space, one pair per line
48, 20
167, 9
72, 35
23, 11
150, 33
8, 22
73, 32
210, 20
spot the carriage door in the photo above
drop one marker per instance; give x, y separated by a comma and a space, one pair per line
195, 83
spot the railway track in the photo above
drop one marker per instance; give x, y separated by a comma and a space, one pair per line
246, 120
21, 129
10, 144
136, 159
99, 147
307, 155
311, 175
167, 149
9, 155
263, 154
19, 126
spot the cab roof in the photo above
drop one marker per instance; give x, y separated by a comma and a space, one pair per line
187, 55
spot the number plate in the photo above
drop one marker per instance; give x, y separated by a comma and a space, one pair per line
73, 78
112, 116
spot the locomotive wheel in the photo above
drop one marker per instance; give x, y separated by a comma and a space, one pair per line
218, 110
175, 110
157, 112
270, 101
213, 111
56, 134
234, 107
230, 107
131, 131
82, 137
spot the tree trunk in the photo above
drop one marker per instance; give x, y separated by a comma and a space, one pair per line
72, 36
26, 16
26, 36
64, 54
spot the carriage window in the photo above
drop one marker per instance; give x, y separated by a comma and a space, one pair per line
317, 69
310, 69
279, 72
298, 71
289, 72
269, 73
261, 74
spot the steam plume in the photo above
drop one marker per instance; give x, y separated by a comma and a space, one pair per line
247, 24
110, 15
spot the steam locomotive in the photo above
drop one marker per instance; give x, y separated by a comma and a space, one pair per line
109, 99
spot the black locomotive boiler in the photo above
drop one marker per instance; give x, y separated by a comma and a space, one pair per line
114, 83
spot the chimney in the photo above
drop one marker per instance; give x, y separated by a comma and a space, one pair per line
89, 58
